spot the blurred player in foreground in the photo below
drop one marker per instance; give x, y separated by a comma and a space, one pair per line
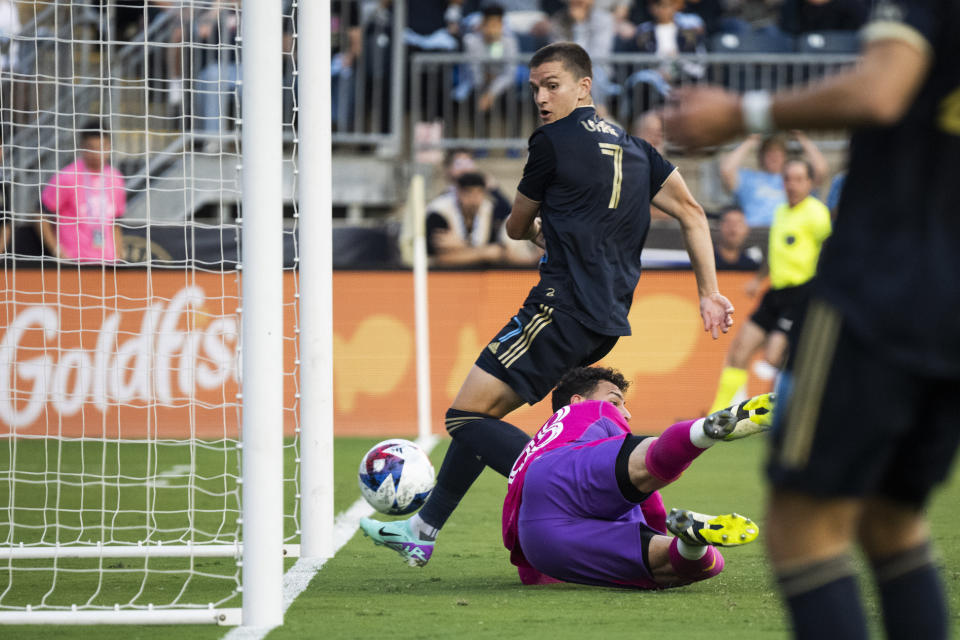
566, 517
586, 193
868, 425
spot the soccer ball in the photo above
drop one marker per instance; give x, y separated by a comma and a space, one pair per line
396, 476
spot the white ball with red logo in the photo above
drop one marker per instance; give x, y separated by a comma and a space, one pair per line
396, 476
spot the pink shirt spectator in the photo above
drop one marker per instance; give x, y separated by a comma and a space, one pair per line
86, 204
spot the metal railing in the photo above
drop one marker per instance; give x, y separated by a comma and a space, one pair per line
69, 75
368, 93
445, 92
69, 70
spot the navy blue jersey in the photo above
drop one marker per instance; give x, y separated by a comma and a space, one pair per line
892, 266
594, 184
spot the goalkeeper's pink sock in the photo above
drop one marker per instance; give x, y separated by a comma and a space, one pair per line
707, 566
674, 450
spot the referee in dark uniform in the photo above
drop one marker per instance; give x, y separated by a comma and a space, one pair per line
870, 424
585, 195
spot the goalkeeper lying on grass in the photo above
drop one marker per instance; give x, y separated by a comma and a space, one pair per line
582, 502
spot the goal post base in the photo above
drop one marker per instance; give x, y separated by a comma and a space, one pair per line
135, 551
222, 617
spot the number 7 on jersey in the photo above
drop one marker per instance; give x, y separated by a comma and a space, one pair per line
615, 150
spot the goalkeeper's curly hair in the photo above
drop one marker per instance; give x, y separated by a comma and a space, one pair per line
582, 381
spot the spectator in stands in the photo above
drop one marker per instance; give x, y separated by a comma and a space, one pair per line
490, 80
760, 191
804, 16
82, 202
593, 29
731, 252
378, 64
434, 25
217, 29
346, 43
711, 13
669, 34
460, 161
462, 229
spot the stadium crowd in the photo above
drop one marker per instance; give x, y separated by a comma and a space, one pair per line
200, 73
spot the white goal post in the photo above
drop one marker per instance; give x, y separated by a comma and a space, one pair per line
165, 417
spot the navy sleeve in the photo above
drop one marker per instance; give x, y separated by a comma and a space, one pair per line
660, 167
540, 168
435, 222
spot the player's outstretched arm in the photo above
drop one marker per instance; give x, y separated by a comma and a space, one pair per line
675, 199
877, 91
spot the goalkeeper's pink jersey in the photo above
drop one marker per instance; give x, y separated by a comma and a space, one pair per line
577, 423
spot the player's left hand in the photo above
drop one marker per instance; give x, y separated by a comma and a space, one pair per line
717, 314
701, 117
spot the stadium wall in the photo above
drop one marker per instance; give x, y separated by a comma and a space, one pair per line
80, 354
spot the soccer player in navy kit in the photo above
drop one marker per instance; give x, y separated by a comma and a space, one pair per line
869, 423
586, 189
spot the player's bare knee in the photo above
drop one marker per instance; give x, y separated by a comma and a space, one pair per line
888, 528
483, 393
829, 527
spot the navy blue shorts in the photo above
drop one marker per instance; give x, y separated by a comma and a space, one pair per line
538, 346
852, 424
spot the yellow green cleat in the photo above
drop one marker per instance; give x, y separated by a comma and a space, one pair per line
742, 420
718, 531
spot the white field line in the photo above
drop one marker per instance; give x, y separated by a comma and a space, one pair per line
300, 574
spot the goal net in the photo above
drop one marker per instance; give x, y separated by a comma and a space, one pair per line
121, 313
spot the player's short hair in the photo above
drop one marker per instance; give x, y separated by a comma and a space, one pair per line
581, 381
492, 10
805, 163
571, 55
471, 179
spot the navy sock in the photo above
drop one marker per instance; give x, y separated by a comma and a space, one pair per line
824, 600
496, 442
911, 595
459, 469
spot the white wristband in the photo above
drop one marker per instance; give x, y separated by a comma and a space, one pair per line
757, 116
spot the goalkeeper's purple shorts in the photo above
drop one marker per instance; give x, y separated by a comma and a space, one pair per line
576, 525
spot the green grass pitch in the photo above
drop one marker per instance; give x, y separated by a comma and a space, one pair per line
469, 589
